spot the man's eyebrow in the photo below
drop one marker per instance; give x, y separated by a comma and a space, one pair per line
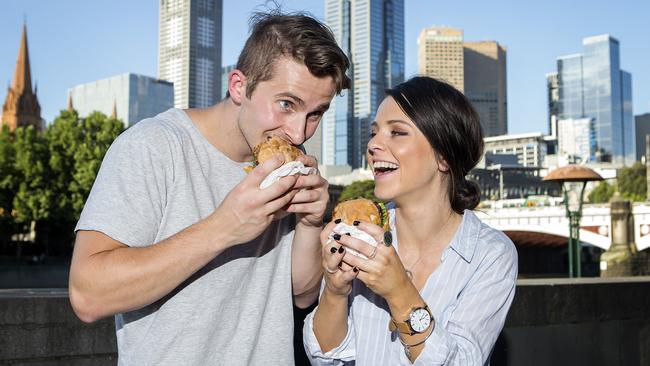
292, 96
323, 107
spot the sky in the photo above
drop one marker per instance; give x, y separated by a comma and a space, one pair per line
78, 41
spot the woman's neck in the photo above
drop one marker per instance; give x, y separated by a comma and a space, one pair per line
426, 223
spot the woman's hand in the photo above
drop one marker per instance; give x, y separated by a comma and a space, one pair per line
338, 275
383, 271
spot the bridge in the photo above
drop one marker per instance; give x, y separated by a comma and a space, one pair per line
548, 225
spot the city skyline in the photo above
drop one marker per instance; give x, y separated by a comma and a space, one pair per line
103, 41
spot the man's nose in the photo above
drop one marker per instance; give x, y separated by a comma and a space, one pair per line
295, 130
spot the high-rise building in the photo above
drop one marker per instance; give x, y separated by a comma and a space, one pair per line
21, 107
485, 84
478, 69
128, 97
642, 128
441, 56
553, 99
189, 50
530, 148
592, 85
576, 139
371, 33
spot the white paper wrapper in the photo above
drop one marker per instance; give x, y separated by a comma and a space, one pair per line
290, 168
343, 228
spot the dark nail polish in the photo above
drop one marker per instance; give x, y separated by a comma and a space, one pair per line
337, 221
333, 250
355, 269
336, 236
341, 249
348, 234
356, 223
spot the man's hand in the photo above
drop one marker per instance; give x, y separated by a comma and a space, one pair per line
248, 210
310, 203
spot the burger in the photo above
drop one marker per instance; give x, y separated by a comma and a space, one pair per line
271, 147
362, 209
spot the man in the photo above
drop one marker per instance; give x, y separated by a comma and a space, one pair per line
197, 262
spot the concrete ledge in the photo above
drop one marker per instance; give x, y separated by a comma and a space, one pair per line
39, 327
591, 321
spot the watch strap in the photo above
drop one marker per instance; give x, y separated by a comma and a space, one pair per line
405, 327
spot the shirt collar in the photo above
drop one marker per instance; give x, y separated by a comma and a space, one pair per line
466, 238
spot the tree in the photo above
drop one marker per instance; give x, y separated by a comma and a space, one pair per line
602, 193
359, 189
62, 137
77, 147
632, 182
97, 133
8, 184
32, 200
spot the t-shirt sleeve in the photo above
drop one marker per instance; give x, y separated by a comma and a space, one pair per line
128, 196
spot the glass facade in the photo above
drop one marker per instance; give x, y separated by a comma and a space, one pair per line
371, 32
592, 85
189, 50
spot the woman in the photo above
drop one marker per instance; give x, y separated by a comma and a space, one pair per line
437, 288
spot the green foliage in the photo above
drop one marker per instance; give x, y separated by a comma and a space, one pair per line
602, 193
632, 182
8, 183
32, 200
359, 189
46, 178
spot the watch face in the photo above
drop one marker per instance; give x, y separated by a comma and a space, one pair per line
420, 320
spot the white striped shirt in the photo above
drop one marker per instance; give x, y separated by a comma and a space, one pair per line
469, 295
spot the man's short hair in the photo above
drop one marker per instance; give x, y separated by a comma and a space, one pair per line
298, 36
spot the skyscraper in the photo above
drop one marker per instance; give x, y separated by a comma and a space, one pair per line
478, 69
576, 139
21, 107
485, 84
189, 50
441, 56
371, 32
642, 128
592, 85
553, 99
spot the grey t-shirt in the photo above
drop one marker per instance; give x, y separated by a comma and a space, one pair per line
159, 177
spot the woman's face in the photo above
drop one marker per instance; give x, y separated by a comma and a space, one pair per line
403, 162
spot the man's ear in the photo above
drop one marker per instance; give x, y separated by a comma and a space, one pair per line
237, 86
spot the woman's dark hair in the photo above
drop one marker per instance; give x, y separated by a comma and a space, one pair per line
453, 129
298, 36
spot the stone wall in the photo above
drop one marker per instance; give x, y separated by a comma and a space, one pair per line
589, 321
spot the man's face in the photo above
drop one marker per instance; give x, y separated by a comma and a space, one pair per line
289, 105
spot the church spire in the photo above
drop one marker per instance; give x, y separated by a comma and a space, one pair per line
21, 108
70, 105
22, 76
114, 113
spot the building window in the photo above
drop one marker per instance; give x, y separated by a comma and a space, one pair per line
205, 32
203, 82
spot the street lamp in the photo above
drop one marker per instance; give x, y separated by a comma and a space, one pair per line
573, 179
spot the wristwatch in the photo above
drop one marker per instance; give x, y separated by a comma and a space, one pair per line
417, 322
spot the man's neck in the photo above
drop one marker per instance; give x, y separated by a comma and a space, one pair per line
218, 124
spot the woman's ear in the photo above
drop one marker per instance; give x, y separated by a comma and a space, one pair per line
237, 86
442, 164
